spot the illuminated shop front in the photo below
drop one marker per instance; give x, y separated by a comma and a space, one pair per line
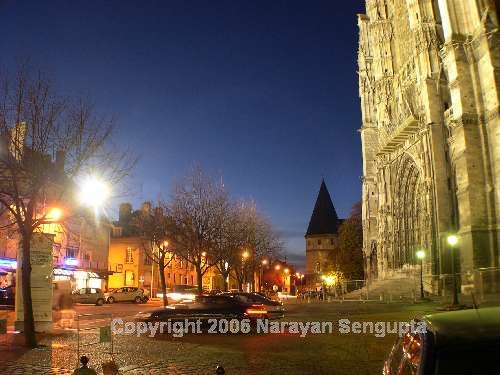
80, 279
7, 271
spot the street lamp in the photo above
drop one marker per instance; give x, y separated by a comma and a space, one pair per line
55, 214
421, 256
452, 240
285, 277
93, 192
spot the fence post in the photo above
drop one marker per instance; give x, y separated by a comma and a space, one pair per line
481, 285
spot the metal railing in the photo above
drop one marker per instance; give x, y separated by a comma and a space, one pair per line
97, 329
481, 286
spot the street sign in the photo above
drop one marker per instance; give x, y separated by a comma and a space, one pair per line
3, 326
105, 334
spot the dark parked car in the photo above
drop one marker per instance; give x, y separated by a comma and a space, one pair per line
458, 342
8, 295
208, 307
275, 309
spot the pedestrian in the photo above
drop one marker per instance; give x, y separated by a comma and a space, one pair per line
84, 370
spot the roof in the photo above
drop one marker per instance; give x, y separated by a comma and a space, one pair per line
462, 326
324, 219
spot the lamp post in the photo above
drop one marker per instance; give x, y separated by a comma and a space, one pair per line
452, 242
244, 257
421, 256
285, 276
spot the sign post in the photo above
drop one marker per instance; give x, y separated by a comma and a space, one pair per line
41, 283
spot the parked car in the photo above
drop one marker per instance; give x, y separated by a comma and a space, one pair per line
127, 294
8, 295
88, 295
207, 307
275, 309
458, 342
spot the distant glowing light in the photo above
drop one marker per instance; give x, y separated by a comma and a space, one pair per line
93, 192
452, 240
277, 267
8, 263
55, 214
264, 262
329, 279
421, 254
71, 262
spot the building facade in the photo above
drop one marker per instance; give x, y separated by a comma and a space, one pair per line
130, 266
321, 238
428, 82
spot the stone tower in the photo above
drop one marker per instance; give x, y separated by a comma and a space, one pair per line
429, 74
321, 236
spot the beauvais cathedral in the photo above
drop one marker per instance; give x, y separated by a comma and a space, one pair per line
429, 80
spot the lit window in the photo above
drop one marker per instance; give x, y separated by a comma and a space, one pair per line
129, 257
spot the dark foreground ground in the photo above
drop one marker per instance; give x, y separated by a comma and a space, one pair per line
329, 353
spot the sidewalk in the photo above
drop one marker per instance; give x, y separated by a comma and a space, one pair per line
133, 355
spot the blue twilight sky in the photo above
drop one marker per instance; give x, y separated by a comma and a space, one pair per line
263, 92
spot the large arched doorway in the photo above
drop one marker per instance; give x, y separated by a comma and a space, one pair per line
410, 213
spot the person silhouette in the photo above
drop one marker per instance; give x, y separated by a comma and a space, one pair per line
84, 370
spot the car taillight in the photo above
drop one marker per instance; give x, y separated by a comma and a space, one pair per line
256, 310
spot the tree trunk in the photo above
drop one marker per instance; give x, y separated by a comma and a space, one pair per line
29, 321
199, 278
163, 281
226, 284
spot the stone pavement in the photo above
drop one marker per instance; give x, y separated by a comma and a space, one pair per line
239, 354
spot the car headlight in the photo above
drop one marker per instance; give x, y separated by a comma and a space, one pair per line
143, 315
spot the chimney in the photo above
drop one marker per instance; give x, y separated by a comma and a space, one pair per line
60, 160
125, 213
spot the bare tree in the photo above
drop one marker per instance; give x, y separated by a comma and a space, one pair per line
198, 211
259, 242
35, 124
229, 241
153, 226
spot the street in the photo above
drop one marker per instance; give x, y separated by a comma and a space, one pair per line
119, 310
315, 353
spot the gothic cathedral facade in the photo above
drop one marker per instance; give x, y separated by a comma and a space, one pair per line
429, 79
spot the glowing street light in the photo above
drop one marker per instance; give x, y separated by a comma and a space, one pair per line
93, 192
421, 255
245, 254
287, 270
452, 240
264, 262
277, 267
55, 214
